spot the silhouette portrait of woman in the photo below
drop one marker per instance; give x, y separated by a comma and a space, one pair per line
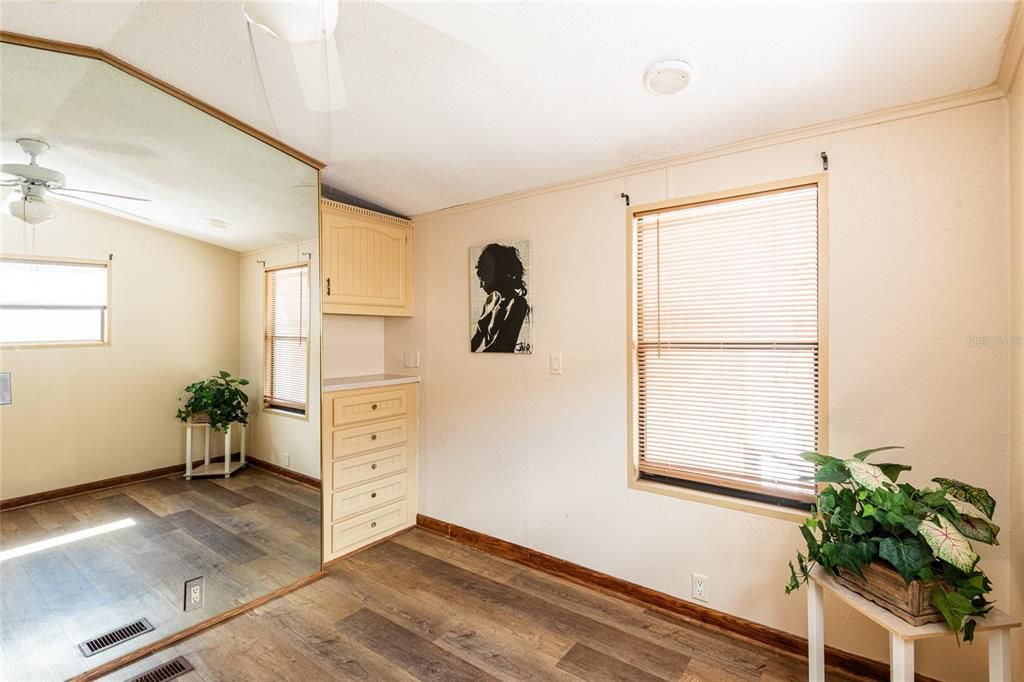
500, 271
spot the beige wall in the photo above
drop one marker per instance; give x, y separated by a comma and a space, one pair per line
87, 413
286, 440
1017, 348
353, 345
919, 262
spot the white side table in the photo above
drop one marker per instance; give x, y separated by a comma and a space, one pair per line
208, 469
902, 634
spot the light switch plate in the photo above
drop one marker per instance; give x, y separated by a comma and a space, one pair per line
556, 363
412, 359
5, 388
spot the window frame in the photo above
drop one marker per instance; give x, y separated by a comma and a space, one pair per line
724, 498
107, 263
265, 405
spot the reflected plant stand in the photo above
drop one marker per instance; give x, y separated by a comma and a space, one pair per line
208, 469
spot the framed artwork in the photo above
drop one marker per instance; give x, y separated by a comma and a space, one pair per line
500, 275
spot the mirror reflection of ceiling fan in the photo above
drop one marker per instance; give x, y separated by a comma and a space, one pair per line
308, 27
34, 182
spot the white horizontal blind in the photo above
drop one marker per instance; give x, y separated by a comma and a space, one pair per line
727, 343
44, 301
286, 338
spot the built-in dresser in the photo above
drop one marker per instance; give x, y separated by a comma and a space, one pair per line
369, 460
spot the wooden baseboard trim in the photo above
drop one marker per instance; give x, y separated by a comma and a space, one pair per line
150, 649
128, 479
284, 473
338, 560
836, 660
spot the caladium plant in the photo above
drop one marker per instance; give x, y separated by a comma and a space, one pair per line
865, 514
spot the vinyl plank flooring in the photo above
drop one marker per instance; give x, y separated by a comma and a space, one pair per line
262, 496
643, 654
423, 659
593, 666
225, 543
53, 598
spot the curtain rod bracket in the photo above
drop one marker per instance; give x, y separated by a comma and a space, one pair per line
824, 160
626, 197
308, 255
262, 262
110, 256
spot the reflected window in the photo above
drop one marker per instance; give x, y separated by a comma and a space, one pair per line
286, 338
54, 301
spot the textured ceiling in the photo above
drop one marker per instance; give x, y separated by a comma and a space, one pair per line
449, 103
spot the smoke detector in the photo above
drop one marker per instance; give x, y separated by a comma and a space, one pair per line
668, 76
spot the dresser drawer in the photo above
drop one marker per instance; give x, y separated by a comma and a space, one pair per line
366, 437
365, 527
362, 468
351, 409
361, 498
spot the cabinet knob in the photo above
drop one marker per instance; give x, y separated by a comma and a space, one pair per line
373, 436
373, 466
374, 406
372, 495
373, 524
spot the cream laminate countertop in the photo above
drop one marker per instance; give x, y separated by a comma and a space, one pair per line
367, 381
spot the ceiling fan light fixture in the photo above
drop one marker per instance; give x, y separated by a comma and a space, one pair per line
31, 210
296, 22
668, 76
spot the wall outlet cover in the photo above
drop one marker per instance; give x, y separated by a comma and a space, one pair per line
195, 593
699, 587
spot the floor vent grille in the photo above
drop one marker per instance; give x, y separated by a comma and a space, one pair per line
115, 637
165, 671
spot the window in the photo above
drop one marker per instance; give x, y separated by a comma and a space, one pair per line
726, 363
286, 338
49, 301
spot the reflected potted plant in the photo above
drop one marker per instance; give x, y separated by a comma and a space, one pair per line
905, 548
217, 401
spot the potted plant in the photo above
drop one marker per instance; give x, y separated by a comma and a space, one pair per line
866, 528
217, 400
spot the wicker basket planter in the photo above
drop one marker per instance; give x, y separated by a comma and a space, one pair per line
885, 587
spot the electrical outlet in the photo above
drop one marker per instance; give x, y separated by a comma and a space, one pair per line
699, 587
412, 359
288, 459
195, 593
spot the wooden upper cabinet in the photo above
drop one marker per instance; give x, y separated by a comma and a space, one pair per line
366, 261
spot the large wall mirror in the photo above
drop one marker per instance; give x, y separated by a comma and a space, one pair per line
146, 246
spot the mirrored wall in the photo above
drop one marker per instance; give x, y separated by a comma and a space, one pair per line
159, 365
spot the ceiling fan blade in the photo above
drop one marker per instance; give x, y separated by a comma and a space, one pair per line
10, 183
318, 68
96, 203
105, 194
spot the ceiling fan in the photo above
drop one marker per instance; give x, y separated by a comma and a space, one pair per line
308, 27
28, 203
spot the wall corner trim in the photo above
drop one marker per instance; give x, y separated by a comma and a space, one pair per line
1013, 49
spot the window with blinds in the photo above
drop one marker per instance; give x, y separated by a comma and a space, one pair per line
52, 301
286, 338
727, 362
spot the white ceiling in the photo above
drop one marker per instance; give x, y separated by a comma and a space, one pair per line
111, 132
523, 94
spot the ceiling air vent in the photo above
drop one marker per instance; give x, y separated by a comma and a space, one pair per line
115, 637
165, 671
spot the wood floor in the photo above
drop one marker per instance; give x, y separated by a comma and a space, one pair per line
248, 535
422, 607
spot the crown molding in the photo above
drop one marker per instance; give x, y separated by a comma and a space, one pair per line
979, 96
1013, 49
364, 212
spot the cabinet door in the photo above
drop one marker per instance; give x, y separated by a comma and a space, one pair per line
366, 267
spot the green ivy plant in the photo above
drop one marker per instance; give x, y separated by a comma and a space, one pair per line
866, 515
219, 397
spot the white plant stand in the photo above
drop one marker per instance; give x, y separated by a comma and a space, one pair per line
207, 468
902, 635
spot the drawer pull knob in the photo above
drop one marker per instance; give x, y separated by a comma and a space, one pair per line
373, 466
373, 524
373, 436
372, 495
374, 406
